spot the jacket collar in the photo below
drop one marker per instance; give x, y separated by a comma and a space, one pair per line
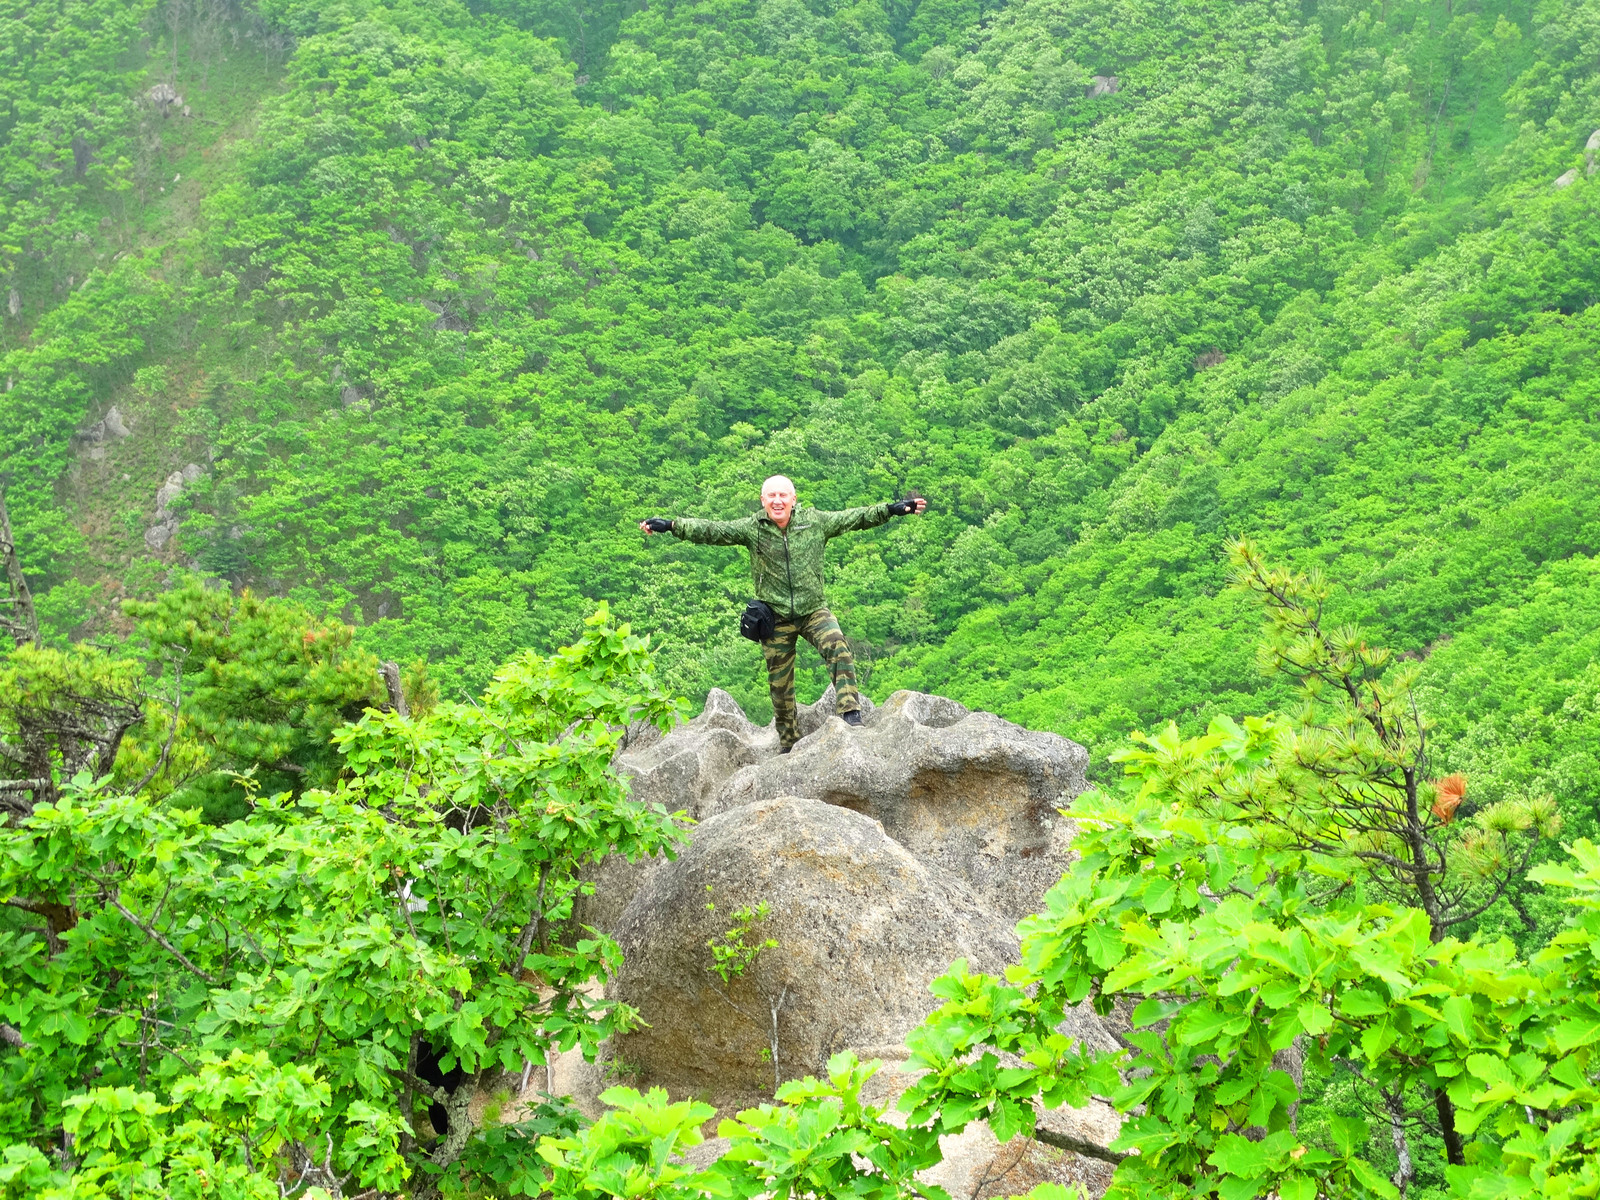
794, 518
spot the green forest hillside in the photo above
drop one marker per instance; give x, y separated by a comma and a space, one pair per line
345, 344
433, 301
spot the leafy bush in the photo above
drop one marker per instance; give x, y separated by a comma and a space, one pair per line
330, 950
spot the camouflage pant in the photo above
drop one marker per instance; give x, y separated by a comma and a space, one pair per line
821, 629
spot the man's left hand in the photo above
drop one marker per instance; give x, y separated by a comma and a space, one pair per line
911, 504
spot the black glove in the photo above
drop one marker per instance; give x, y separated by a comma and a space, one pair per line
901, 508
659, 524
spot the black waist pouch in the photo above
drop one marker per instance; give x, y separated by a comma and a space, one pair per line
758, 621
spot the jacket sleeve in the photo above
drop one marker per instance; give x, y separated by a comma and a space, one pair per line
873, 515
714, 533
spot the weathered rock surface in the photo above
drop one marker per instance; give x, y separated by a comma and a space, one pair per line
686, 768
863, 927
1102, 85
93, 439
970, 792
885, 852
683, 771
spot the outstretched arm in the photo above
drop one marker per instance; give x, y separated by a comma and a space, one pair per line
705, 533
871, 516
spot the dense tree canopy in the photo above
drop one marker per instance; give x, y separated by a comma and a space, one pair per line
341, 332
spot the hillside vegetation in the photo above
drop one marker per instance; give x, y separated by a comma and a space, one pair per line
440, 299
387, 322
440, 317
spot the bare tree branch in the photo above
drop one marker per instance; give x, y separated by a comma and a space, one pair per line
1065, 1141
172, 730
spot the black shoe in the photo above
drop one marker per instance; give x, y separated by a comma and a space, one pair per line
853, 717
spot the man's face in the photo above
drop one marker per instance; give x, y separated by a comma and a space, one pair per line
777, 497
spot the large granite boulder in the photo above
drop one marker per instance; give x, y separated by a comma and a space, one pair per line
682, 771
968, 791
885, 852
965, 790
862, 924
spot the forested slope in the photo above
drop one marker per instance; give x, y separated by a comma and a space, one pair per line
441, 298
347, 330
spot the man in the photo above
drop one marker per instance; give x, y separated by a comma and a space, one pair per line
786, 543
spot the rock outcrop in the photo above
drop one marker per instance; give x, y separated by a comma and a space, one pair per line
686, 768
683, 772
885, 852
107, 429
159, 534
968, 791
863, 927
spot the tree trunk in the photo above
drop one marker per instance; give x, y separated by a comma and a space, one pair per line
1454, 1150
1402, 1151
458, 1130
17, 617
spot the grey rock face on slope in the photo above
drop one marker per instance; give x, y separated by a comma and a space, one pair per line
863, 927
159, 534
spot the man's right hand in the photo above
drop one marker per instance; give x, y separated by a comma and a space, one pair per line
656, 525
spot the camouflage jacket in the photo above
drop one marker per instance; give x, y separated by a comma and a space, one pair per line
786, 564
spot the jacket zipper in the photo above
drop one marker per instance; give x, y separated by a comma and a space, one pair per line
789, 568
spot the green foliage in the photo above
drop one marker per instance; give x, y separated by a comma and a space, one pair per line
223, 1126
824, 1141
459, 319
1246, 894
63, 712
504, 1159
472, 286
264, 685
628, 1151
67, 97
821, 1140
734, 952
313, 949
79, 349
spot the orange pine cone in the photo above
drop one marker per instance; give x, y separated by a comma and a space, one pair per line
1451, 790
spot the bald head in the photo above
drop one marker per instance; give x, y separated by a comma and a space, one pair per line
777, 497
